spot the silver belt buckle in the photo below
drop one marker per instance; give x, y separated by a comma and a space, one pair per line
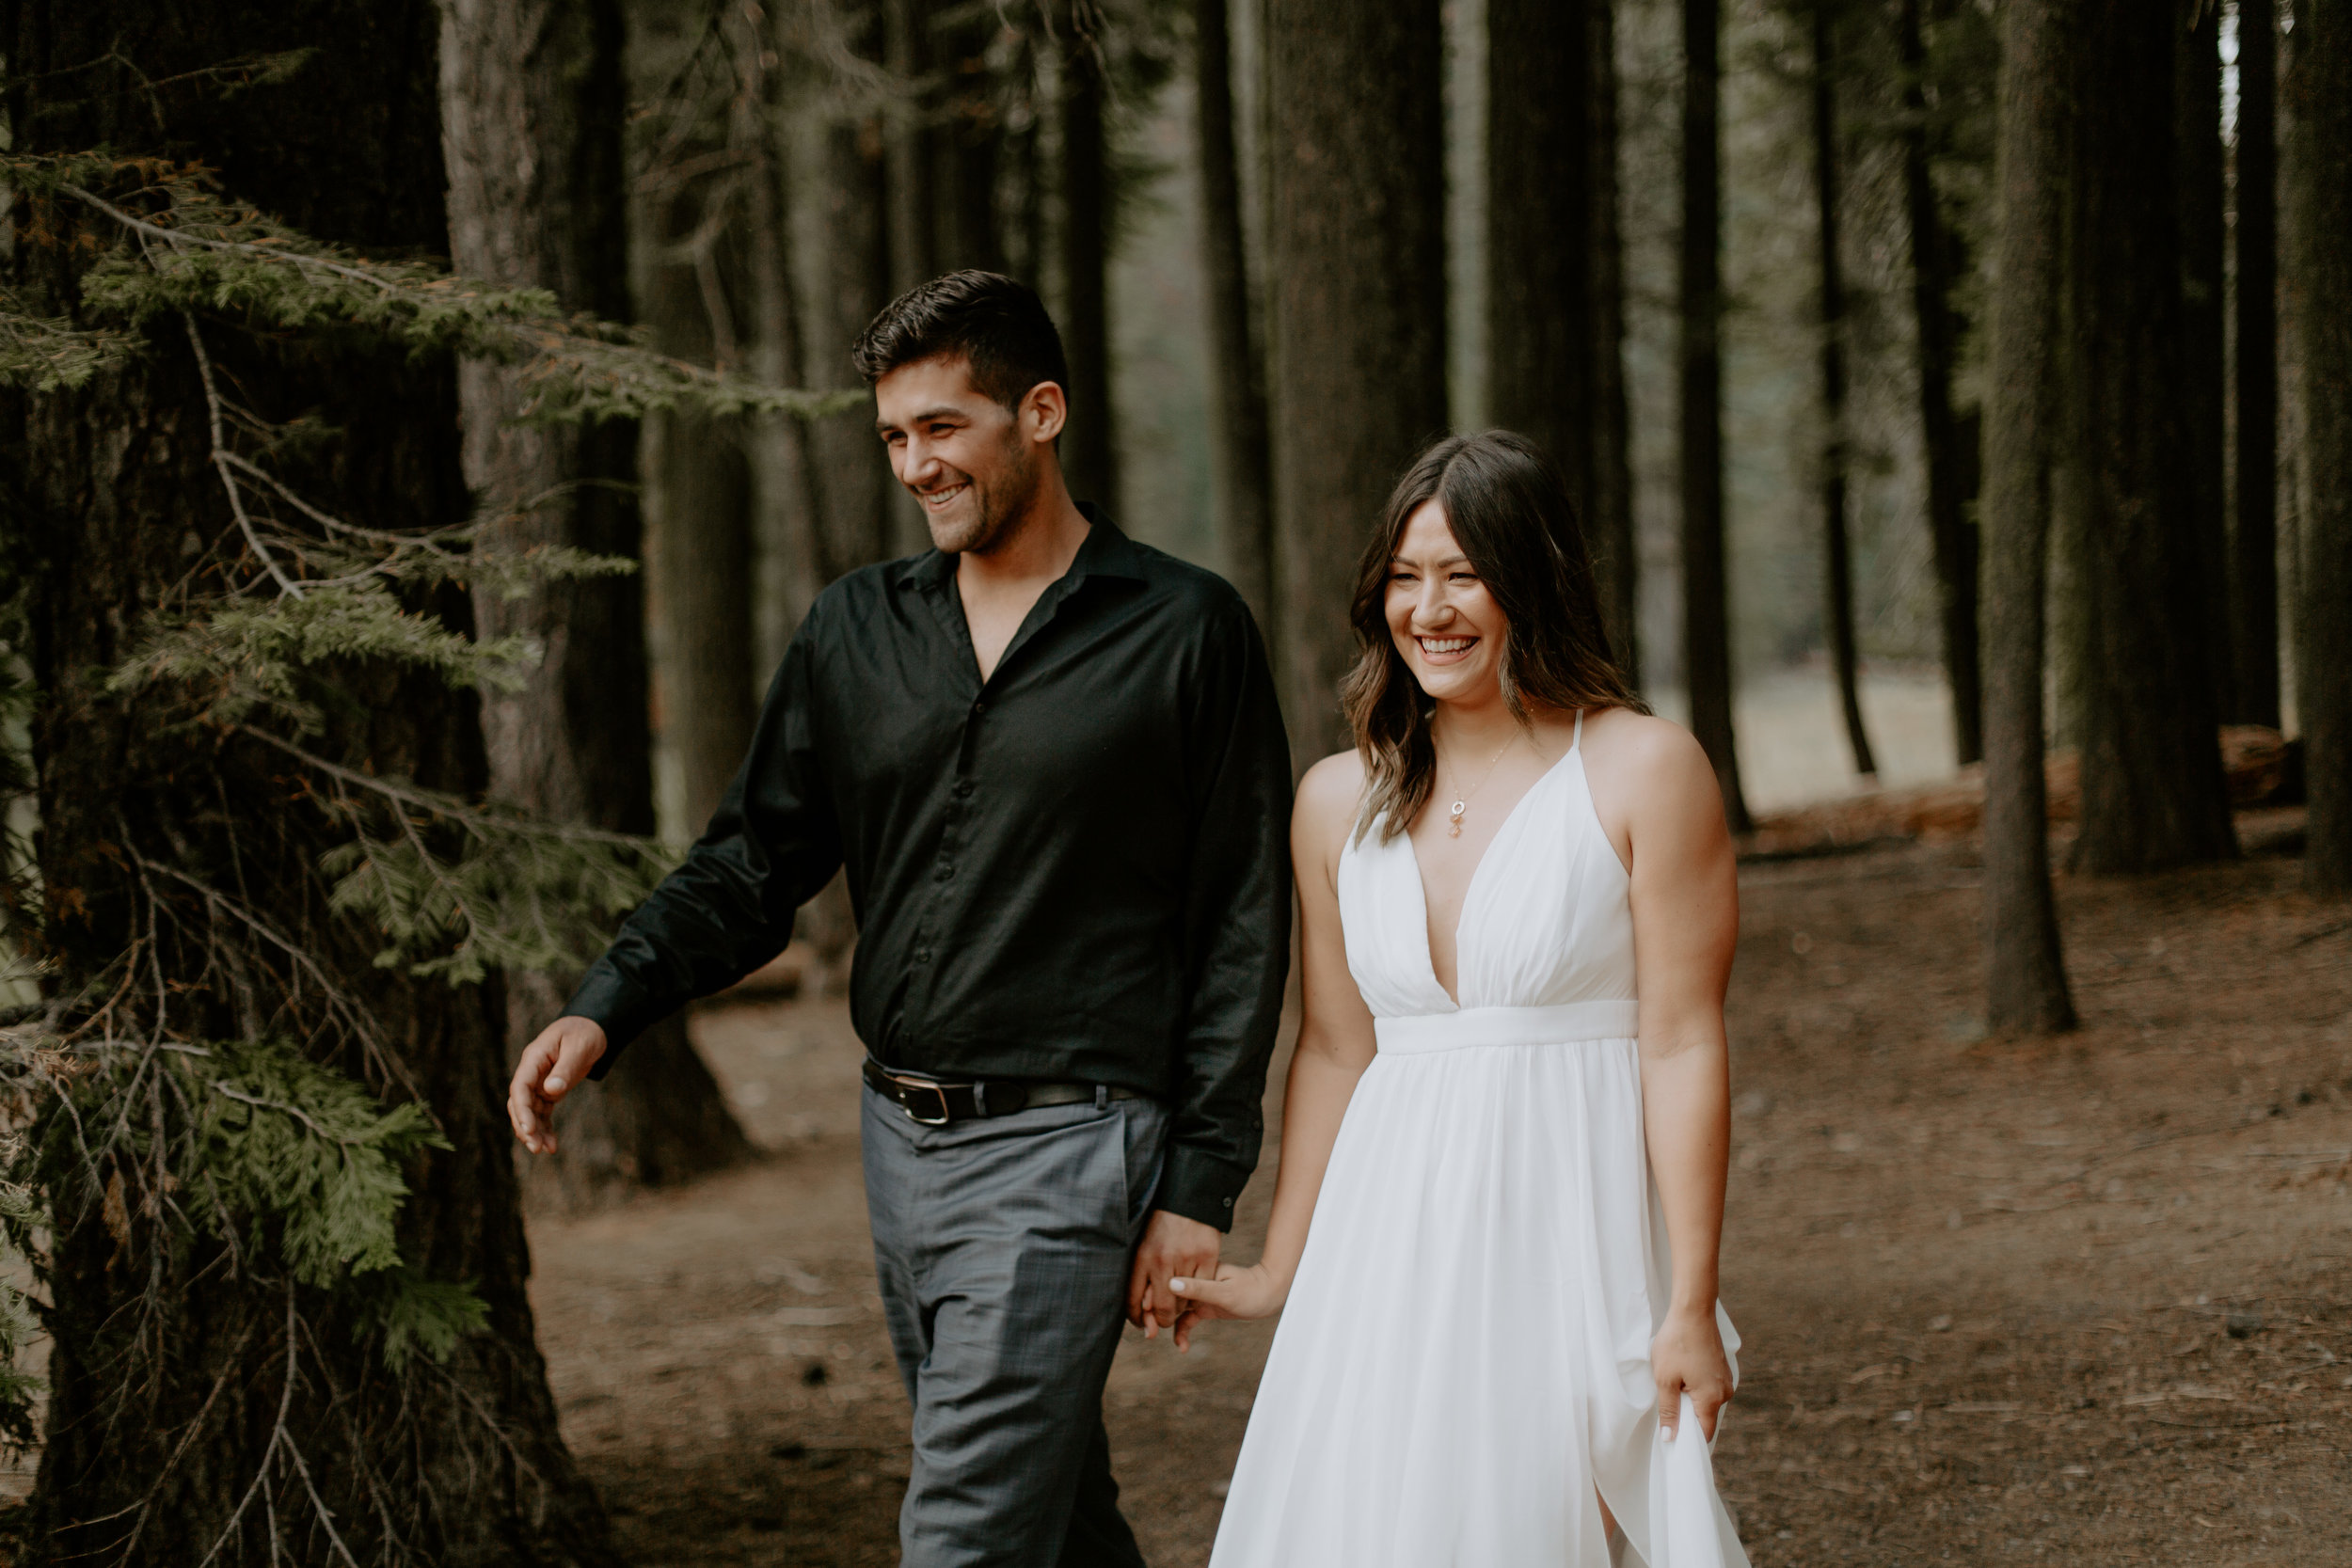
937, 1088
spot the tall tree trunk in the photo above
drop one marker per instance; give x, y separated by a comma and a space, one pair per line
1357, 259
2319, 89
1239, 438
531, 98
1705, 595
2153, 792
1540, 360
2203, 390
971, 138
2025, 985
1933, 266
839, 252
1838, 547
167, 1372
699, 566
1617, 548
1555, 321
787, 491
906, 42
700, 571
2253, 576
1090, 456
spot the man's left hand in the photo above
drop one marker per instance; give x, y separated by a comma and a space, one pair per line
1173, 1248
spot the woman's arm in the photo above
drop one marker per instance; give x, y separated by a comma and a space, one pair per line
1335, 1045
1686, 924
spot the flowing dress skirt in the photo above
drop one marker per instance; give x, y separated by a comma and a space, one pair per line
1464, 1360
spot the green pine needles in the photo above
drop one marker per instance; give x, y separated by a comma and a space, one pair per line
279, 1158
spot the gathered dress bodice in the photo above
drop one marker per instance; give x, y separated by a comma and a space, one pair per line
1546, 940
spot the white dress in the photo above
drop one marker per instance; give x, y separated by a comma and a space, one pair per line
1465, 1355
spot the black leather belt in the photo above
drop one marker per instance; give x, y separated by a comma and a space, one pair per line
935, 1101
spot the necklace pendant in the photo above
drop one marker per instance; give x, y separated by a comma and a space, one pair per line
1453, 814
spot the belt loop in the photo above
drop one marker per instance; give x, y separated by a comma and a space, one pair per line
1102, 1097
980, 1099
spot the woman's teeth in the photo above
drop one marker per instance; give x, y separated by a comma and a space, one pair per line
1444, 644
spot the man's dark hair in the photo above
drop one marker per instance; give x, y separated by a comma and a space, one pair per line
997, 324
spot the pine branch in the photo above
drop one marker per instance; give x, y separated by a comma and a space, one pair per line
197, 252
41, 353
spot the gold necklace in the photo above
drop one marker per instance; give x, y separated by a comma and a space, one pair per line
1453, 813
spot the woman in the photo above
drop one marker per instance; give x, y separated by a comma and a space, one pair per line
1506, 1302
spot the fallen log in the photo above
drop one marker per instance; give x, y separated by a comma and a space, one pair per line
2262, 767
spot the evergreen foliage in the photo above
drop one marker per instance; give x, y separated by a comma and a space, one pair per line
279, 1157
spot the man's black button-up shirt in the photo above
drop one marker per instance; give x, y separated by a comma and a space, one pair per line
1077, 869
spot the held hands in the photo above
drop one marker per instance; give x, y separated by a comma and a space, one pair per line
1688, 1358
1255, 1291
552, 1064
1172, 1246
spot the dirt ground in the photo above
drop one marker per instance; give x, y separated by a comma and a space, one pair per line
2082, 1300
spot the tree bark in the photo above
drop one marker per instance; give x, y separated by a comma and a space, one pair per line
1090, 456
532, 97
1609, 524
2153, 795
787, 491
2319, 90
906, 40
1540, 328
1555, 308
1357, 262
1934, 267
167, 1372
2253, 576
2203, 390
1837, 547
970, 141
1239, 440
839, 249
2026, 982
1706, 596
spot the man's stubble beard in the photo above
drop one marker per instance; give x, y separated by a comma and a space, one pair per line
996, 507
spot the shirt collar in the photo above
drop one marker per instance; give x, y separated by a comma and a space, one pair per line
1105, 553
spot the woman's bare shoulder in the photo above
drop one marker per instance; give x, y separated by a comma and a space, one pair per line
1332, 787
1650, 764
1329, 797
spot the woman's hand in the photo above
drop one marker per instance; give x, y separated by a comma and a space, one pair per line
1687, 1357
1255, 1291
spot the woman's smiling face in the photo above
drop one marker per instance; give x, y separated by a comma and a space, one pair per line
1447, 627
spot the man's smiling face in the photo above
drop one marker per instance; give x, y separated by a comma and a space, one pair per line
971, 463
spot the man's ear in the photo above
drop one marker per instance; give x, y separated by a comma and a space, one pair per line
1044, 410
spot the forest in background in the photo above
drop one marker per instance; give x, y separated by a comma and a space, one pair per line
417, 419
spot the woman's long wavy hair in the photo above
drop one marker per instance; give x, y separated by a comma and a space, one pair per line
1511, 515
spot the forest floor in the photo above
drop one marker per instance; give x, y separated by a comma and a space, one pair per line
2083, 1300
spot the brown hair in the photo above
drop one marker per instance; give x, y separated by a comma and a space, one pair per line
998, 326
1511, 515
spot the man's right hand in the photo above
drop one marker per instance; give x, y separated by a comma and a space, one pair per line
551, 1064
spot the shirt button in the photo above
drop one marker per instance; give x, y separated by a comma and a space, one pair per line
963, 789
946, 873
1228, 1203
978, 708
922, 954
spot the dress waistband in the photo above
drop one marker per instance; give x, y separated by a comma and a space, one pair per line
1557, 1024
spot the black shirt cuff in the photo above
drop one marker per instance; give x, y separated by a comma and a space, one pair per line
616, 1006
1201, 1186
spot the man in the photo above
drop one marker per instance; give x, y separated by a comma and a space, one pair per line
1052, 762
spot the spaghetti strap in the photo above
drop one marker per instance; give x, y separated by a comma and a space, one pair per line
1577, 743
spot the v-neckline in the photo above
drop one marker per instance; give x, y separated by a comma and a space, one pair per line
1470, 889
